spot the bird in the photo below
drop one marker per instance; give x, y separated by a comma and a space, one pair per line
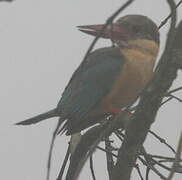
110, 78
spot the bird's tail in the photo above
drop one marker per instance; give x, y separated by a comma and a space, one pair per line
38, 118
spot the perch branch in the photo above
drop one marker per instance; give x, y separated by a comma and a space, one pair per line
145, 114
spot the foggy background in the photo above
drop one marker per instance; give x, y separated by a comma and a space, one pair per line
40, 48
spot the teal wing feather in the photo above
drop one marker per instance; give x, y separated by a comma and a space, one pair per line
91, 82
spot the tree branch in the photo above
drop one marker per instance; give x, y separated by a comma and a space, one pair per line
64, 163
108, 22
92, 168
162, 141
177, 159
109, 157
169, 16
51, 149
149, 104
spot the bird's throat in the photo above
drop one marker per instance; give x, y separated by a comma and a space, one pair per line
141, 51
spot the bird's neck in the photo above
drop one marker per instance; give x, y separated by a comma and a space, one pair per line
141, 55
144, 51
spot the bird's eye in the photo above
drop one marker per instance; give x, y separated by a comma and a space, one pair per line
136, 29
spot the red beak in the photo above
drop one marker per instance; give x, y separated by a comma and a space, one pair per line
114, 31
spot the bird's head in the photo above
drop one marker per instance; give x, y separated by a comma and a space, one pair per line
126, 29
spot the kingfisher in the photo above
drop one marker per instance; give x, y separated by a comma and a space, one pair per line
110, 78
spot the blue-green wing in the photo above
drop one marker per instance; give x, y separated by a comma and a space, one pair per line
90, 84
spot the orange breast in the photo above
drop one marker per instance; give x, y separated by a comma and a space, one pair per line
125, 89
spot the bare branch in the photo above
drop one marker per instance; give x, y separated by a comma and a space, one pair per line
92, 168
108, 22
176, 98
174, 90
169, 16
109, 152
151, 167
167, 100
64, 164
147, 173
109, 157
163, 141
169, 159
51, 149
177, 159
139, 172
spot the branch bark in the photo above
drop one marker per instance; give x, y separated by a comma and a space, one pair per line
151, 99
177, 159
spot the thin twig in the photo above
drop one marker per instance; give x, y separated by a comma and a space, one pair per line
119, 136
162, 157
92, 168
150, 157
169, 16
167, 100
64, 164
150, 162
174, 90
51, 149
147, 173
108, 22
153, 161
109, 157
169, 94
175, 97
104, 150
178, 156
167, 160
139, 172
166, 167
165, 60
149, 165
162, 141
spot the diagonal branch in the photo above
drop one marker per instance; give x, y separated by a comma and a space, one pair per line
64, 163
108, 22
162, 141
169, 16
109, 156
92, 168
51, 150
177, 159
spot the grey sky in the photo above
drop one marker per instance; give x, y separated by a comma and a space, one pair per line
40, 48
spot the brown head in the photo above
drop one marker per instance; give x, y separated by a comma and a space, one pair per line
125, 29
137, 36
